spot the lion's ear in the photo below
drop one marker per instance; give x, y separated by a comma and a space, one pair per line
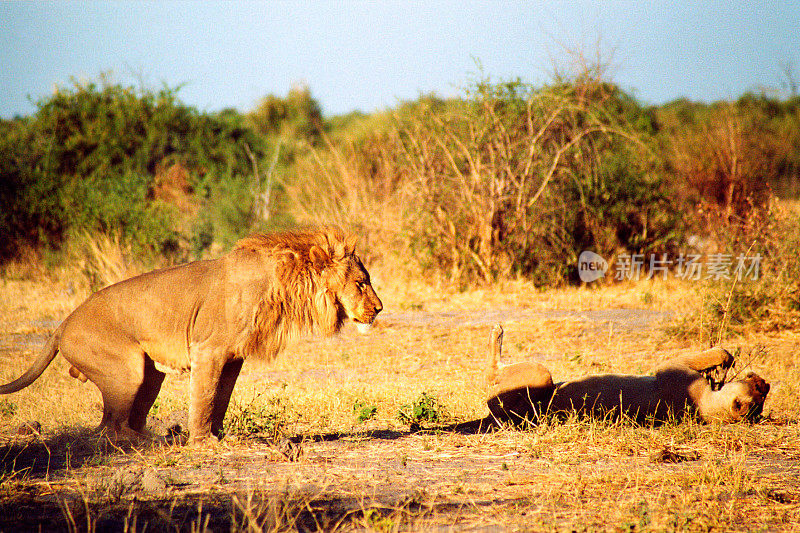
739, 407
319, 258
343, 247
350, 245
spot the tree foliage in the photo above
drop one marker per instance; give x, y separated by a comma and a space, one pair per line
507, 180
88, 160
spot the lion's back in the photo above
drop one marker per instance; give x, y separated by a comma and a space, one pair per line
155, 305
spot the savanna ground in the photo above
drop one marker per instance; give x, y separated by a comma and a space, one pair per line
297, 455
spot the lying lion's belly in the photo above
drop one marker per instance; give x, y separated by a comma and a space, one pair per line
169, 356
607, 392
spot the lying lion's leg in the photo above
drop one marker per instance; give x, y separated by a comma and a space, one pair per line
706, 360
227, 380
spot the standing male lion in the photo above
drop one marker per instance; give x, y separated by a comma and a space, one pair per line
207, 317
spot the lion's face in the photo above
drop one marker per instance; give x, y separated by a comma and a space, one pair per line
344, 288
346, 292
746, 397
354, 292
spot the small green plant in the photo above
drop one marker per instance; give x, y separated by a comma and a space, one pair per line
156, 408
364, 411
576, 358
426, 408
268, 418
221, 479
378, 521
7, 408
641, 513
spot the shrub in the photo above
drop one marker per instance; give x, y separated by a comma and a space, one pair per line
7, 408
298, 115
426, 408
89, 160
509, 181
364, 411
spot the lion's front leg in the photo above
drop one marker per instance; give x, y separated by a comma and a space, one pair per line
703, 361
227, 380
203, 384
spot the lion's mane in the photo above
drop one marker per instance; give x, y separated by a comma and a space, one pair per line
297, 301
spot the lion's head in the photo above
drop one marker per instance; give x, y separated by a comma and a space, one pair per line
345, 289
320, 282
745, 397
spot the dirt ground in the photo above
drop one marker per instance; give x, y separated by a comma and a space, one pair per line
324, 470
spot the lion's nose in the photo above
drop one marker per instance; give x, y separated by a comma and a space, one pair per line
378, 305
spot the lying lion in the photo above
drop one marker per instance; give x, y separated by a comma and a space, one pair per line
206, 317
678, 387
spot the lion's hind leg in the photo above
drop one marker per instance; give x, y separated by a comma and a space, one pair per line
145, 397
127, 401
713, 364
124, 414
520, 392
126, 377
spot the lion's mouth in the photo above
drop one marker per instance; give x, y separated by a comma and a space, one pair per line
364, 325
754, 413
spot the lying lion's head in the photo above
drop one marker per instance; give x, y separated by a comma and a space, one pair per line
745, 397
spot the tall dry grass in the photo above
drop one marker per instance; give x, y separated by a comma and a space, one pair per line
508, 182
766, 299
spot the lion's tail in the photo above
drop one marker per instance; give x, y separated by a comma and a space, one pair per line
495, 349
43, 361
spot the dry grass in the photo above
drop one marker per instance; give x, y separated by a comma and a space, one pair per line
379, 476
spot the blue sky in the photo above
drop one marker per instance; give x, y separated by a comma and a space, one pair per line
371, 55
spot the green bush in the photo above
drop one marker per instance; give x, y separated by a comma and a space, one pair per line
364, 411
509, 180
90, 158
298, 115
426, 408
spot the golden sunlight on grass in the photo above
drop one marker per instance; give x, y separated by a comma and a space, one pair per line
372, 473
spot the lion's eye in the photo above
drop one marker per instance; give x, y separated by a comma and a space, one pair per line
739, 406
